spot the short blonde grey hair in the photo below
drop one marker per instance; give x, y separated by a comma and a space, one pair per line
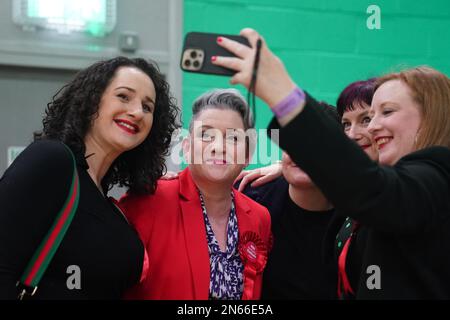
223, 99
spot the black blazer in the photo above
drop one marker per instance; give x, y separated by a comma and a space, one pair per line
404, 209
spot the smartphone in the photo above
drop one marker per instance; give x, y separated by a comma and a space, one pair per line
198, 49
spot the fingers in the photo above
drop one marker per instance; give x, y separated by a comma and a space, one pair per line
248, 179
237, 65
251, 35
243, 184
228, 62
260, 181
264, 179
241, 175
242, 63
238, 49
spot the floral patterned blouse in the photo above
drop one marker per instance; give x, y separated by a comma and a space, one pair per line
226, 278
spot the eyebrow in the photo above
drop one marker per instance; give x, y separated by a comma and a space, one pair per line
132, 90
207, 127
363, 114
211, 127
388, 102
372, 112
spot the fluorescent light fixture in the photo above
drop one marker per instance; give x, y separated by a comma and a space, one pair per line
96, 17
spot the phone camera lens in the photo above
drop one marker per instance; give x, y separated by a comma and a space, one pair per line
193, 54
196, 64
187, 63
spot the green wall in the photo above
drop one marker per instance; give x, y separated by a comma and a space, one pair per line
325, 44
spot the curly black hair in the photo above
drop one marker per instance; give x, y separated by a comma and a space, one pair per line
70, 114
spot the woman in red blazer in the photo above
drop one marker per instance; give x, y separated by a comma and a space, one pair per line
204, 240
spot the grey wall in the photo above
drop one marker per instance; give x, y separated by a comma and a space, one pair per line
151, 20
24, 94
34, 65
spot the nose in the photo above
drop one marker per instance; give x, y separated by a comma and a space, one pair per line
217, 145
373, 126
135, 111
353, 133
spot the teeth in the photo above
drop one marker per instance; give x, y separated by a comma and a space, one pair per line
382, 141
216, 161
127, 125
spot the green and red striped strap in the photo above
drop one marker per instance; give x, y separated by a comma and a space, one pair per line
47, 249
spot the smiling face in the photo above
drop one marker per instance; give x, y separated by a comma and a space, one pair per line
396, 119
125, 113
216, 148
355, 123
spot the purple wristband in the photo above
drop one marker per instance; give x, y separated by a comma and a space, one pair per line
293, 100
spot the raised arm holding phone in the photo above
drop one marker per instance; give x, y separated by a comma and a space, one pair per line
403, 202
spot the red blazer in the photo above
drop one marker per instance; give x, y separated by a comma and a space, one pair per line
171, 226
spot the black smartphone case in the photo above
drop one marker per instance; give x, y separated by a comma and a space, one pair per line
207, 43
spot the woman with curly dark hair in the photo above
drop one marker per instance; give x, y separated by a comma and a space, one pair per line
112, 124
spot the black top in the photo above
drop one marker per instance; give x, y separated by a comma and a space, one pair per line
295, 268
404, 210
99, 241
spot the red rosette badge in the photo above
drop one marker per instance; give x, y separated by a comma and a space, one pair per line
253, 253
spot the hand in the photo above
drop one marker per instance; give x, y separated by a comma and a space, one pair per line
170, 175
273, 82
260, 176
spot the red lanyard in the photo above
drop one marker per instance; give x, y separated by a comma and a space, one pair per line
344, 287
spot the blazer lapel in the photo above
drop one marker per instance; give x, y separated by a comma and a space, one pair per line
245, 223
195, 234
